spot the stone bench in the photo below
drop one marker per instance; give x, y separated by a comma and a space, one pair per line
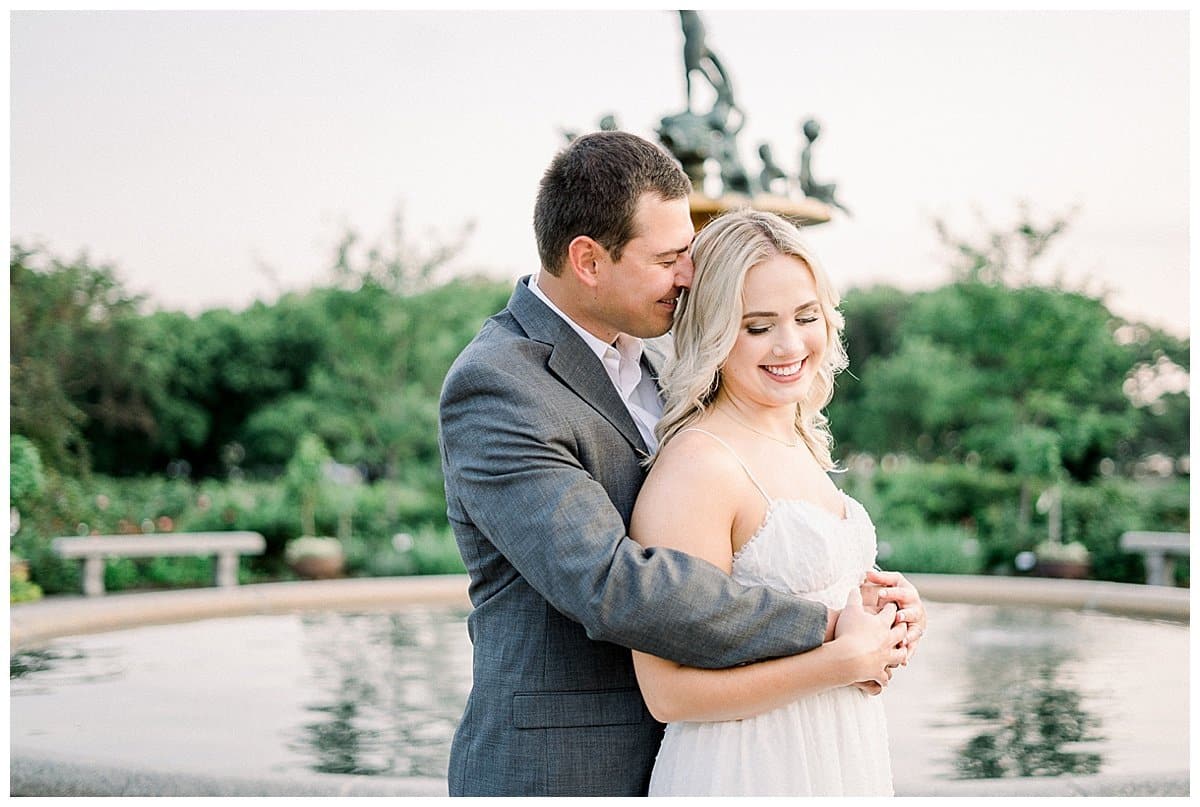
1155, 547
95, 549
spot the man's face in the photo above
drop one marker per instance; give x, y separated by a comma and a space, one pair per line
637, 294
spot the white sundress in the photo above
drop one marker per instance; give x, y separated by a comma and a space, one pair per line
833, 743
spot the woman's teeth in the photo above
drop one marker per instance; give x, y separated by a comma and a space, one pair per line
784, 370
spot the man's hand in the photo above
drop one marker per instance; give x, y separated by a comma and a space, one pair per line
869, 687
894, 588
870, 596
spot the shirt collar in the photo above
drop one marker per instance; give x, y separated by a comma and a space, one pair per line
628, 347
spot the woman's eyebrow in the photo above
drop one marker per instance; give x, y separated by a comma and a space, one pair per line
799, 308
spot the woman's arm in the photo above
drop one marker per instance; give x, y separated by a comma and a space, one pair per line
692, 502
863, 650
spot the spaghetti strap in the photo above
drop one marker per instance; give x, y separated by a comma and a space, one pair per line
735, 456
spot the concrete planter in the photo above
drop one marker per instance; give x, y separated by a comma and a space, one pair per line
313, 567
1069, 569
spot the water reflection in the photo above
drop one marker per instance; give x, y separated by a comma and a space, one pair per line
37, 671
1030, 713
995, 692
24, 664
389, 693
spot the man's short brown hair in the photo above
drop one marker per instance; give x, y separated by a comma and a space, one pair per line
592, 188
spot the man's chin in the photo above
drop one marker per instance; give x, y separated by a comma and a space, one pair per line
651, 331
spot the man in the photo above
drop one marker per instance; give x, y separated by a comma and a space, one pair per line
545, 419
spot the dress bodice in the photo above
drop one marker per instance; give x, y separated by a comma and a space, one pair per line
804, 549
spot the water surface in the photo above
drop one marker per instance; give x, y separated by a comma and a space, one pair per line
993, 692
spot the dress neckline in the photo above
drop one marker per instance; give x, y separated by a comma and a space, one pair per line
774, 503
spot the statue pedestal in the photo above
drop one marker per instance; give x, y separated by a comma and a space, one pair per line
804, 212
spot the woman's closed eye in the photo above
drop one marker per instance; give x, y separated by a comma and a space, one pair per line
760, 328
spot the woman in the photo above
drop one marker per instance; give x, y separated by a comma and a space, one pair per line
741, 480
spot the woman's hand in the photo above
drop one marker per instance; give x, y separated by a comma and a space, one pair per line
873, 642
894, 589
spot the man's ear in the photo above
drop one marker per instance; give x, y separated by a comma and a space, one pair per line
583, 255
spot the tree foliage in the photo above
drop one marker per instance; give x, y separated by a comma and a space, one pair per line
75, 364
1034, 380
98, 386
25, 477
989, 391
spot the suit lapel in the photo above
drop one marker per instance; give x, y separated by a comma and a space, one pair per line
573, 363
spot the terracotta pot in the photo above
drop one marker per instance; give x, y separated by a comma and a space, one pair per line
1070, 569
319, 568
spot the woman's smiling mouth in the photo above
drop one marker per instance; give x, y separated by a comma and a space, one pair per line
784, 371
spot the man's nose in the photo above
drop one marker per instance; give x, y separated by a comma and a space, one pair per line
684, 270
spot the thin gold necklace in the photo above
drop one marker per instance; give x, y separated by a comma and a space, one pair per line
743, 424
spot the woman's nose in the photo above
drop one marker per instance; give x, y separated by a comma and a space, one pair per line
788, 341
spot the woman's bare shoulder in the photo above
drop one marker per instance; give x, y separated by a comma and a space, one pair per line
690, 499
692, 457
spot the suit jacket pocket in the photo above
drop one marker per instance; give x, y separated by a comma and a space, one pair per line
552, 710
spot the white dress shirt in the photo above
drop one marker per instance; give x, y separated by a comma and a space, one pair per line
622, 361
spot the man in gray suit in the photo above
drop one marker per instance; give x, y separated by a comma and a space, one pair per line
545, 419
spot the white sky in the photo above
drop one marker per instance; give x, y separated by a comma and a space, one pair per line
191, 148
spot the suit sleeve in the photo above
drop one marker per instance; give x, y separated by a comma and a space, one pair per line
514, 472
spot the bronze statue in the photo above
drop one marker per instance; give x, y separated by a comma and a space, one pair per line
698, 57
770, 170
811, 188
726, 120
689, 139
694, 138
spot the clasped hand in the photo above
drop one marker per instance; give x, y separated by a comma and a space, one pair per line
887, 591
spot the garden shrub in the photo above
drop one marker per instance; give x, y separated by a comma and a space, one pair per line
937, 549
110, 505
919, 497
927, 514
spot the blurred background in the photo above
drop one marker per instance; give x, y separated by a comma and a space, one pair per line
246, 246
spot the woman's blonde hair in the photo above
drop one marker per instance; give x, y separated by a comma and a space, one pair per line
709, 318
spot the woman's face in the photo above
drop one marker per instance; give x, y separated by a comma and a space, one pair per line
782, 337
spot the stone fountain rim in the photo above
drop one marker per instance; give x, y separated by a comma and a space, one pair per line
31, 624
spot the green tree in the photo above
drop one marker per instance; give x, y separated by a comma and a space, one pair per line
371, 393
74, 357
1027, 379
1038, 384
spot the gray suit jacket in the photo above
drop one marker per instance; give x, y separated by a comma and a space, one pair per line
542, 467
